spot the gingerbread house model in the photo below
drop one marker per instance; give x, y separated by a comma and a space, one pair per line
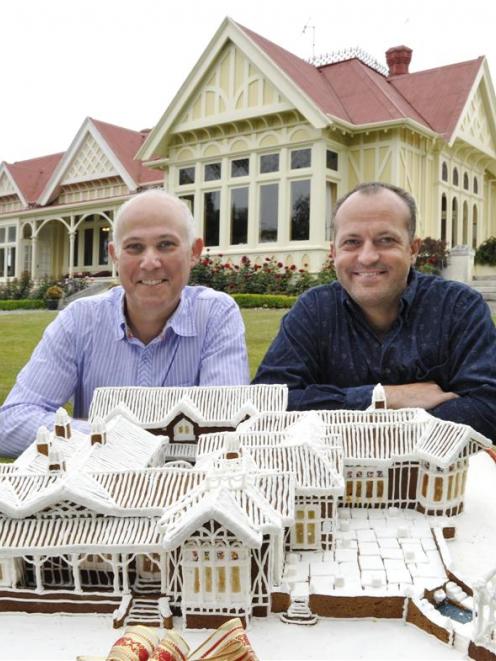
304, 513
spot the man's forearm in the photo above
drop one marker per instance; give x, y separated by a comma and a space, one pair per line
425, 395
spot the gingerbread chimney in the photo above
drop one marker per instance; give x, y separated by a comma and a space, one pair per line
56, 461
398, 59
379, 397
42, 441
98, 432
232, 448
62, 424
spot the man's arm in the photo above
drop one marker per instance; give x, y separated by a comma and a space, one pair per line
296, 358
47, 382
425, 395
472, 368
223, 358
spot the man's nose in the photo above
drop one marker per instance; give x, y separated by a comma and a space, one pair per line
368, 253
150, 259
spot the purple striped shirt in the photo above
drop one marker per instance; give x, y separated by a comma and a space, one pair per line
88, 345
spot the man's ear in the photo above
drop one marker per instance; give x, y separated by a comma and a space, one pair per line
332, 249
196, 251
112, 252
415, 249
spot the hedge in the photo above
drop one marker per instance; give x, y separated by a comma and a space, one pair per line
22, 304
264, 300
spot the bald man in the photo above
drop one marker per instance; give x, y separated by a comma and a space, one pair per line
153, 330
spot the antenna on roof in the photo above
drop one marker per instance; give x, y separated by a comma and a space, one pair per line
306, 28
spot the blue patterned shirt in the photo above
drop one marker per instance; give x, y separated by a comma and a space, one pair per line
88, 345
330, 357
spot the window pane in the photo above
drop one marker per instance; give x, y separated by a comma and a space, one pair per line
331, 160
2, 262
187, 175
11, 257
301, 158
213, 171
240, 167
211, 218
300, 210
269, 163
12, 234
190, 201
103, 240
88, 247
2, 234
239, 215
269, 210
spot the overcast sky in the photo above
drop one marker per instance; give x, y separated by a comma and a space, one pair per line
122, 61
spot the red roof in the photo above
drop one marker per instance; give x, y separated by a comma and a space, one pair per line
125, 143
354, 92
31, 176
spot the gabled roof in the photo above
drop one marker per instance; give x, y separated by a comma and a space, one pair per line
349, 92
119, 146
31, 176
440, 94
216, 405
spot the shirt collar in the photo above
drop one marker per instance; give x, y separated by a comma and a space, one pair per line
182, 321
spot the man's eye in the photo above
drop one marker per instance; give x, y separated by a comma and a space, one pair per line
386, 240
166, 245
133, 248
350, 243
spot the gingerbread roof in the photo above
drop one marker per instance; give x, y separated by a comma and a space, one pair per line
216, 405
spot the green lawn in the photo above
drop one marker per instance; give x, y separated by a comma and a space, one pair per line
20, 332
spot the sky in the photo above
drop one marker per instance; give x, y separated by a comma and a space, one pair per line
123, 61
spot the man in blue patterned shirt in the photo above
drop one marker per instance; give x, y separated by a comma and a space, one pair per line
152, 331
429, 341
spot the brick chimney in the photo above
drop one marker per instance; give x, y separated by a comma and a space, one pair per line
398, 59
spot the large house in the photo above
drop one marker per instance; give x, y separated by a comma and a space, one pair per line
57, 211
260, 144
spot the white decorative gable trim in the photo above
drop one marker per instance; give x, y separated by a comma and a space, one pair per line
63, 172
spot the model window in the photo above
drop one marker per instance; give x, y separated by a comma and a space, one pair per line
269, 163
240, 167
211, 215
476, 186
444, 171
239, 215
300, 210
301, 158
187, 176
331, 160
213, 171
455, 177
269, 211
465, 181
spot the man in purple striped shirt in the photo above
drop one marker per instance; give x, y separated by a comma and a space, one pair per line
153, 331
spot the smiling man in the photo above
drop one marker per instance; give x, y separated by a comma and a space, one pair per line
154, 330
429, 341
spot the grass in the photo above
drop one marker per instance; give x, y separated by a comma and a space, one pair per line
19, 334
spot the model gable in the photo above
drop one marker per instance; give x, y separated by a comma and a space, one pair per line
89, 163
10, 197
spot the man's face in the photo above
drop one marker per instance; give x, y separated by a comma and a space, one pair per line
155, 257
373, 251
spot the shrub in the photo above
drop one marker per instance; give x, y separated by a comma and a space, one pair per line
432, 257
54, 293
22, 304
16, 289
269, 277
264, 300
486, 252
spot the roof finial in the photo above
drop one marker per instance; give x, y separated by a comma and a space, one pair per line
306, 28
